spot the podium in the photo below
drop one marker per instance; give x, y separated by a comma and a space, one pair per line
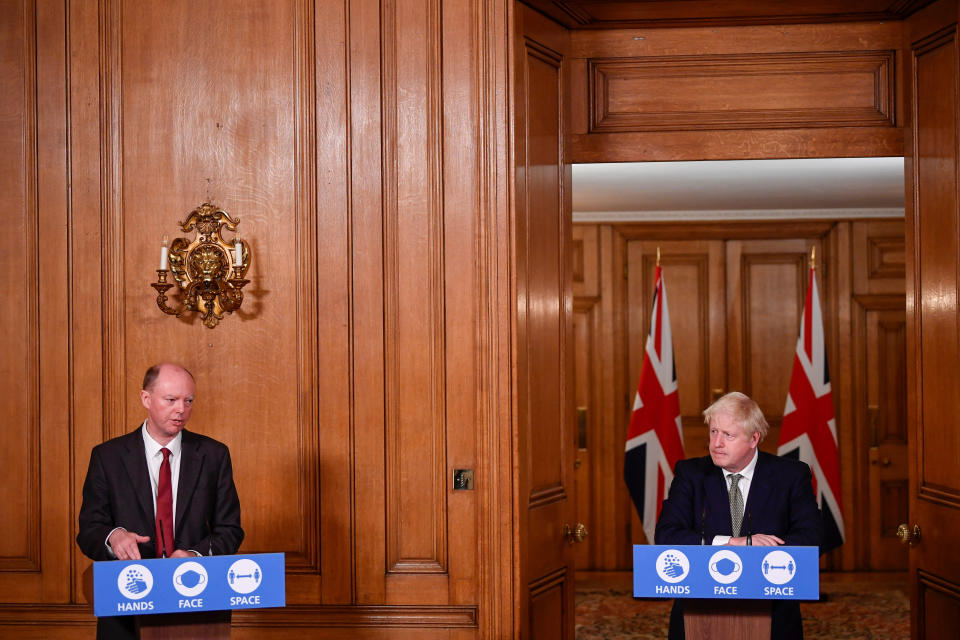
727, 592
197, 625
187, 598
715, 620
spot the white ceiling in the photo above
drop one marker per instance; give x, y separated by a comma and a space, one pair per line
739, 189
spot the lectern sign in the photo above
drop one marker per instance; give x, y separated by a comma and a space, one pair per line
174, 585
775, 573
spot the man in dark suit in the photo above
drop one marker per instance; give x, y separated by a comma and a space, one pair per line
160, 468
771, 496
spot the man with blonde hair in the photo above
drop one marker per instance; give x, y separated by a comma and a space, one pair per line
739, 495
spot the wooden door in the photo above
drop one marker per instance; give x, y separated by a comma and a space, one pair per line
545, 443
933, 344
883, 370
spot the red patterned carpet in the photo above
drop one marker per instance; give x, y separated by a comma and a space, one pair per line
858, 606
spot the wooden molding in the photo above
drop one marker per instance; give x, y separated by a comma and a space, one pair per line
415, 366
46, 615
737, 144
305, 129
720, 230
751, 91
21, 247
366, 616
291, 616
887, 257
112, 221
614, 14
576, 261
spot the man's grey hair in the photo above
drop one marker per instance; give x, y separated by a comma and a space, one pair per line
743, 410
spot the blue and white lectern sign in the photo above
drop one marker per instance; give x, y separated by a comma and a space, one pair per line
174, 585
763, 573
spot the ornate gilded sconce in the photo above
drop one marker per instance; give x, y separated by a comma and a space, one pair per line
208, 271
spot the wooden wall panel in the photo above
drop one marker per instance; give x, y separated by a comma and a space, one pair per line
817, 90
413, 259
745, 91
335, 220
359, 143
766, 283
182, 139
20, 456
35, 332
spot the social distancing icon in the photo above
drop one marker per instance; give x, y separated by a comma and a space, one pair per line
244, 576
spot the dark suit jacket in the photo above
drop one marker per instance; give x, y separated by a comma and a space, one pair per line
781, 502
118, 493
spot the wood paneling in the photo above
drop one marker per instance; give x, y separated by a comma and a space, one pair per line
720, 93
35, 556
766, 283
599, 332
544, 400
413, 266
762, 91
606, 14
19, 256
938, 608
880, 410
933, 346
735, 292
363, 147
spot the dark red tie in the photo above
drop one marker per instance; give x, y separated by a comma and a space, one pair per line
164, 533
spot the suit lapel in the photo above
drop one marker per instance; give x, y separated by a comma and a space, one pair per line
191, 461
760, 487
135, 462
718, 497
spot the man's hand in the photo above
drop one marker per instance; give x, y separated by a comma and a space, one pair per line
180, 553
759, 540
124, 544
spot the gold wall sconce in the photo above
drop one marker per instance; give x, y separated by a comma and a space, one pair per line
208, 271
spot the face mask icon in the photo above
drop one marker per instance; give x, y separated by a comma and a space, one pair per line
190, 579
725, 566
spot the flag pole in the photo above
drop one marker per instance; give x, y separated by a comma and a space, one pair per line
813, 257
658, 256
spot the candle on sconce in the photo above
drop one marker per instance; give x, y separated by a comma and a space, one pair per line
237, 252
164, 254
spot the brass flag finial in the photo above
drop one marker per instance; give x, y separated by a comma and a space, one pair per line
658, 256
813, 257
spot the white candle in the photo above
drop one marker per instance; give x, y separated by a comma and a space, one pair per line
237, 252
164, 253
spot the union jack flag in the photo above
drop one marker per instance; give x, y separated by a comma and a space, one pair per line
654, 439
809, 431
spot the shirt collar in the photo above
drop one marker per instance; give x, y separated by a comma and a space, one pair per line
153, 447
746, 472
